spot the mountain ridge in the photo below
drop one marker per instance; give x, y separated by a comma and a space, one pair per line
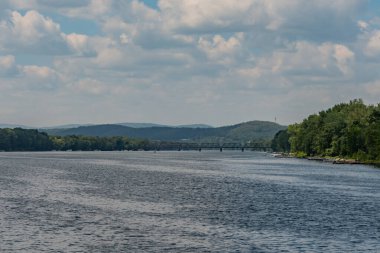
128, 124
246, 131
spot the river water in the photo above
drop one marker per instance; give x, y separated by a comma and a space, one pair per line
185, 202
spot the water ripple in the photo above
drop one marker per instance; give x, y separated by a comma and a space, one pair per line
185, 202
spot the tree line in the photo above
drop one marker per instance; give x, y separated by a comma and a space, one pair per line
349, 130
19, 139
24, 140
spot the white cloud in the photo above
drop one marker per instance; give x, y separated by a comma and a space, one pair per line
124, 38
363, 25
88, 46
31, 33
190, 58
111, 58
294, 16
220, 49
84, 9
20, 4
7, 61
344, 58
78, 43
303, 58
372, 48
34, 33
56, 4
204, 15
40, 77
301, 64
91, 86
8, 65
373, 88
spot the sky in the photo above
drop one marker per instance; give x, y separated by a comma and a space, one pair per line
184, 61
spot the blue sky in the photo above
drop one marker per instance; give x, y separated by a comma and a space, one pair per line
151, 3
184, 61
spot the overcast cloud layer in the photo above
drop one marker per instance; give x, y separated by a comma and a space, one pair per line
184, 61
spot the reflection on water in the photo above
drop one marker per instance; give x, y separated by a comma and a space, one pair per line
185, 202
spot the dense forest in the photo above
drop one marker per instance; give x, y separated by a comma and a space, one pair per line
24, 140
348, 130
19, 139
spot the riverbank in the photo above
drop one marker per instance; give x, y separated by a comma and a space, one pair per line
333, 160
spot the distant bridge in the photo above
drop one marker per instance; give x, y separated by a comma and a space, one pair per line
211, 146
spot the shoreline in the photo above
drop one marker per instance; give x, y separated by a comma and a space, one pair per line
333, 160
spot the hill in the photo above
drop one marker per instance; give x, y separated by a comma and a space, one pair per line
146, 125
195, 126
253, 130
139, 125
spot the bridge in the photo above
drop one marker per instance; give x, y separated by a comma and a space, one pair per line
211, 146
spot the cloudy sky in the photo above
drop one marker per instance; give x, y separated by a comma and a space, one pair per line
184, 61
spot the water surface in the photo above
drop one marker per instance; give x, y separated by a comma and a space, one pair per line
185, 202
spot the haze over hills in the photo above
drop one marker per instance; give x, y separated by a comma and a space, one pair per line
127, 124
4, 125
253, 130
146, 125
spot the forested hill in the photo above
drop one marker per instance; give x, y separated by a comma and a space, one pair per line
253, 130
349, 130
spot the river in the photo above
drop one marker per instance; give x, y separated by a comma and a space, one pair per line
205, 201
